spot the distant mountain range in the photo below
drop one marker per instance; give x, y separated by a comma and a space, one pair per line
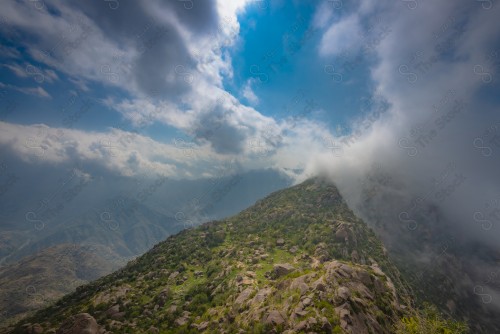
37, 280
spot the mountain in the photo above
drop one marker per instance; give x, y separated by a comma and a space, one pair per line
129, 215
113, 228
40, 279
298, 261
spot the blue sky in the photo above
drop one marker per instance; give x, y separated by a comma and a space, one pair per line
279, 50
281, 42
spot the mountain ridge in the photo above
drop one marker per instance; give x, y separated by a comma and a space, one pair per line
297, 261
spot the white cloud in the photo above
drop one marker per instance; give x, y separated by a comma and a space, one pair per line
118, 151
341, 36
17, 70
80, 83
248, 92
9, 52
34, 91
424, 71
40, 75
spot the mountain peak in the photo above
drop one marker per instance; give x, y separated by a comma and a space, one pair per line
297, 261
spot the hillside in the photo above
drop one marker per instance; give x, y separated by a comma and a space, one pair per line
39, 280
297, 261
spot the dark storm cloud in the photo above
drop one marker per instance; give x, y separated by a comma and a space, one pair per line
215, 127
161, 50
135, 45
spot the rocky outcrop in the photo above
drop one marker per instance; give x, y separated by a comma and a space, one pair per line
82, 323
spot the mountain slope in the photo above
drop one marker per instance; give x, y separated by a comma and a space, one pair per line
297, 261
40, 279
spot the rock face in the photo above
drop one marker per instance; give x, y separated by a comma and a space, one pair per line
82, 323
283, 271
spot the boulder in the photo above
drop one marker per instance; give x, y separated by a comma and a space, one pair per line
300, 283
32, 329
174, 275
262, 295
326, 326
319, 285
243, 296
342, 233
202, 326
306, 301
301, 326
343, 293
118, 316
181, 321
282, 269
82, 323
113, 310
364, 277
274, 318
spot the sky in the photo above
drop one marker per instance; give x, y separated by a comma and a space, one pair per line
400, 95
224, 81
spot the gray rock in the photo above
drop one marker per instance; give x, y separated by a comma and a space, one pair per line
319, 285
342, 233
203, 325
181, 321
37, 329
243, 296
364, 277
82, 323
301, 326
262, 295
282, 269
343, 293
113, 310
274, 318
32, 329
118, 316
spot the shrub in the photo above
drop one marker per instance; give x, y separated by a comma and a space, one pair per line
429, 321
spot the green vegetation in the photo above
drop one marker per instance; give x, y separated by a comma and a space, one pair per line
429, 321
